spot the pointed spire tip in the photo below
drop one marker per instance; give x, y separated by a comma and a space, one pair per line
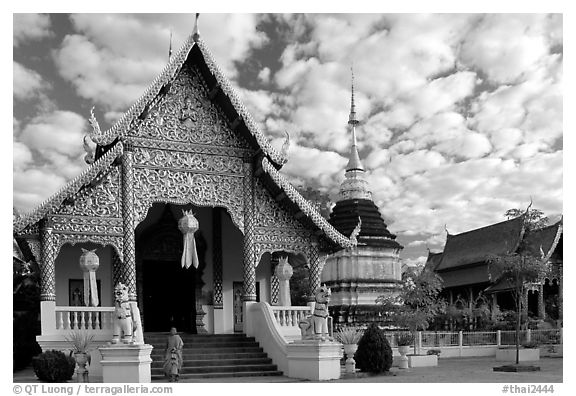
196, 33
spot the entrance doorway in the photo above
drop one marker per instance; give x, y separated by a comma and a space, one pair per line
169, 296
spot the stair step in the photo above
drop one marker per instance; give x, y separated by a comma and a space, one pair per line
214, 356
222, 369
223, 375
218, 362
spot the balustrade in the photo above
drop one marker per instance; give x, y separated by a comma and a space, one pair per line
84, 318
290, 316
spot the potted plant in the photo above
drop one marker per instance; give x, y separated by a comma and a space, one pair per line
349, 336
404, 341
81, 342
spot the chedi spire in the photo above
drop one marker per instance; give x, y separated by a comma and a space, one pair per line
354, 186
354, 162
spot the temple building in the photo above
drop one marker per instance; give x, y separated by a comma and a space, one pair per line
464, 268
187, 151
358, 276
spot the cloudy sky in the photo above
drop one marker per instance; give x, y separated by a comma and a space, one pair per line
461, 115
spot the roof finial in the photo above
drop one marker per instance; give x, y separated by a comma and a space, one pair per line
170, 47
196, 32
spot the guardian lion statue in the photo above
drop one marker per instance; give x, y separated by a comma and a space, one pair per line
126, 322
315, 327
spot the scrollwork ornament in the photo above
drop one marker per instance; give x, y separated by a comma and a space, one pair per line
65, 224
101, 199
180, 187
116, 242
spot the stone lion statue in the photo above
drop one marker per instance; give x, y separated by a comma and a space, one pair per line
315, 327
126, 321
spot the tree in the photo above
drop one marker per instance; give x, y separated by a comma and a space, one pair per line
534, 219
417, 304
516, 270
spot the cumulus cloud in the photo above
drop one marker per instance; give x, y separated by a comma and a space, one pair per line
30, 27
505, 60
47, 152
115, 72
28, 84
34, 185
61, 132
326, 171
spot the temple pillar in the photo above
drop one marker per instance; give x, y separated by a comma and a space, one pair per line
128, 273
47, 279
47, 269
218, 313
274, 281
316, 264
249, 248
541, 307
217, 258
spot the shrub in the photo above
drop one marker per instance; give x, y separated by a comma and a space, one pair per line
374, 354
26, 327
530, 345
436, 352
53, 366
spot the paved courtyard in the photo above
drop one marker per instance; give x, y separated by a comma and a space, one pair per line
454, 370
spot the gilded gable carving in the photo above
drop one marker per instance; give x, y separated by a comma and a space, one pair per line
181, 187
185, 114
100, 199
269, 213
198, 162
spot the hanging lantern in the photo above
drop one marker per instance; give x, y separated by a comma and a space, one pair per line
188, 225
89, 263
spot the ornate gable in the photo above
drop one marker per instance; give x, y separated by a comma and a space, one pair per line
186, 115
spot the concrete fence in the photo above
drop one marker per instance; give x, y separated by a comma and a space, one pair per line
481, 343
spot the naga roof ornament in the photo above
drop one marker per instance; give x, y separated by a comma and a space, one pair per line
285, 146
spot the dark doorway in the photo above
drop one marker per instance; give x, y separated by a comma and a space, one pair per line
169, 296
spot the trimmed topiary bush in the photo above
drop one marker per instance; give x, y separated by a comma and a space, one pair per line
53, 366
374, 354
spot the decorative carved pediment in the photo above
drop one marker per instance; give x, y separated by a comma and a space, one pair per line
185, 114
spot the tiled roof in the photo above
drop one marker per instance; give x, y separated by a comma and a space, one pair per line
432, 261
544, 241
374, 232
476, 246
